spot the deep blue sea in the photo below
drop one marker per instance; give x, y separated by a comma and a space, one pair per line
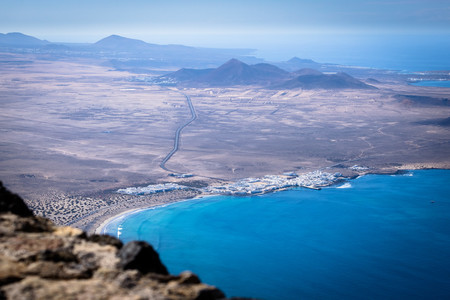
377, 237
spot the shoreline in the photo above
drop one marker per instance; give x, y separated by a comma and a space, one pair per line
101, 227
101, 224
122, 204
411, 167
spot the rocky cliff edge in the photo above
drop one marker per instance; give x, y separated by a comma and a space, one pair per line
39, 260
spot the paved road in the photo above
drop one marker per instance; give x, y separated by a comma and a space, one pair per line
176, 142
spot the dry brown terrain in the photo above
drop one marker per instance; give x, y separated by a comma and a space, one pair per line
74, 132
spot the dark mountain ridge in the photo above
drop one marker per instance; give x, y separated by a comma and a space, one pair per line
235, 72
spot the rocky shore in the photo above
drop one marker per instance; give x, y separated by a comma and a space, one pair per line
39, 260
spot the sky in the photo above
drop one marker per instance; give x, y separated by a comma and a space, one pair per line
262, 24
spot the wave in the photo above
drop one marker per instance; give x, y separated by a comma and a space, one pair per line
405, 174
346, 185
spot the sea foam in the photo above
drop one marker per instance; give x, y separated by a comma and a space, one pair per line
346, 185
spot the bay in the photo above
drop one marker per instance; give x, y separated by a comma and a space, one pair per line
377, 237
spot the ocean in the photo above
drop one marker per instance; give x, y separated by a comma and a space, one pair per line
374, 237
402, 52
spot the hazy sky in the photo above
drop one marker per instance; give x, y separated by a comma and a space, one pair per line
92, 19
223, 23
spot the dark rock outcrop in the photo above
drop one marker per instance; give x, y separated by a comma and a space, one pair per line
142, 257
41, 261
10, 202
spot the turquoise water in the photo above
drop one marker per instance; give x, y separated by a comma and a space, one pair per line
384, 237
432, 83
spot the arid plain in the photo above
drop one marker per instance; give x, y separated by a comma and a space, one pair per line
73, 132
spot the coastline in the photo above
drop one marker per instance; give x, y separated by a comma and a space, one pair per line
124, 214
98, 226
100, 229
122, 204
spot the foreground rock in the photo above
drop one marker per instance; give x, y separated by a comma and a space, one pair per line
41, 261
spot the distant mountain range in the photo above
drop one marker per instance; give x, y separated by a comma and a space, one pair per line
235, 72
128, 54
120, 43
136, 56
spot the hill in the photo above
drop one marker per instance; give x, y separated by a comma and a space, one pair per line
17, 39
117, 42
317, 80
233, 72
188, 75
296, 63
307, 71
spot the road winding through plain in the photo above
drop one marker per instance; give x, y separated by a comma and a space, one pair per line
176, 142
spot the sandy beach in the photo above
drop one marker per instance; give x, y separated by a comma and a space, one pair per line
101, 228
95, 221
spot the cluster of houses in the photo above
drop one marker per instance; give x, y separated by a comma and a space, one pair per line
270, 183
152, 189
248, 186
